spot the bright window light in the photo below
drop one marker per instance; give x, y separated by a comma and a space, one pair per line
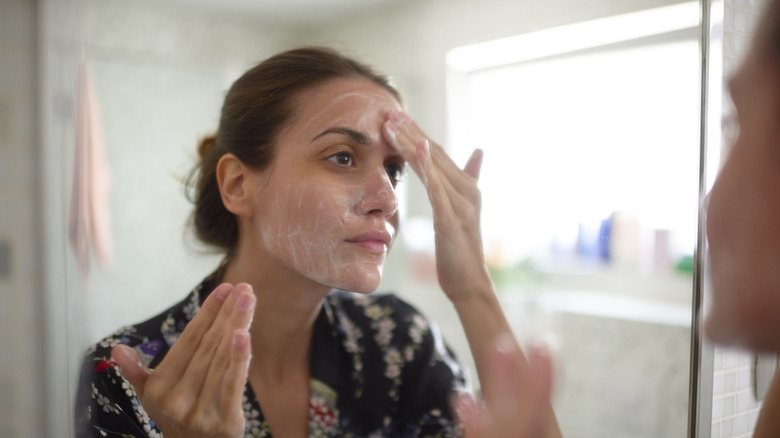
581, 124
567, 39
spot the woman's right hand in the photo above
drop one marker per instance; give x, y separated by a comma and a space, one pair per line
197, 390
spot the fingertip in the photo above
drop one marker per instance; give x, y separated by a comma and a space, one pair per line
240, 287
122, 353
540, 351
474, 164
131, 366
541, 355
127, 358
463, 405
391, 132
246, 300
472, 417
396, 116
223, 291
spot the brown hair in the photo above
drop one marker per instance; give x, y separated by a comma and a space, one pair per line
765, 39
773, 8
257, 107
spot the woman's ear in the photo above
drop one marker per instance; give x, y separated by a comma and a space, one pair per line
233, 180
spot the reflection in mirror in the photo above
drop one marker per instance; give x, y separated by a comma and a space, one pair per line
597, 265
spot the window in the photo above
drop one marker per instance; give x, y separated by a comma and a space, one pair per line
591, 139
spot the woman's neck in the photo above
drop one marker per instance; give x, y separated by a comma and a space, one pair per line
287, 307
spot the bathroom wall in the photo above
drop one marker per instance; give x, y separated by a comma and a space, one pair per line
160, 73
621, 377
21, 288
39, 50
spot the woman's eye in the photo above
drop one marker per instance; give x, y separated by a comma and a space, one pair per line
396, 172
342, 159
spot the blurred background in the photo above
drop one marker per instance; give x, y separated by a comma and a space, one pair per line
588, 112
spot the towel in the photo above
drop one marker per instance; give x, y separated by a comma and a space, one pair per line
88, 220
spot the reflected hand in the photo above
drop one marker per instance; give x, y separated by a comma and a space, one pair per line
517, 395
456, 202
197, 390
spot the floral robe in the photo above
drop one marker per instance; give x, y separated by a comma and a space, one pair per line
378, 369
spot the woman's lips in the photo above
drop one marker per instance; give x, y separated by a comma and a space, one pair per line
375, 242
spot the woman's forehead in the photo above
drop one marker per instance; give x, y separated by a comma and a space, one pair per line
347, 91
345, 100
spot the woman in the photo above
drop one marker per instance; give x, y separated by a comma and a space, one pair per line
743, 215
298, 189
743, 232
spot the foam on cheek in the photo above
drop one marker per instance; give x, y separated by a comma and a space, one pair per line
301, 235
309, 233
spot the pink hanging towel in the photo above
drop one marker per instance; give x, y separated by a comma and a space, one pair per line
88, 221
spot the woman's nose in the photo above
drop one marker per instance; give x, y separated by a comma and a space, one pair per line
379, 197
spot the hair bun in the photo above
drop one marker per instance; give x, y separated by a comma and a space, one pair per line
206, 145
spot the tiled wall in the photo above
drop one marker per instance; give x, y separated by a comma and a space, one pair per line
734, 406
739, 21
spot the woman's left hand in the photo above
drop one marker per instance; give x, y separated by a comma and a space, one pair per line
456, 202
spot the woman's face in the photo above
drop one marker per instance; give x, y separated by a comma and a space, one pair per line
326, 209
743, 216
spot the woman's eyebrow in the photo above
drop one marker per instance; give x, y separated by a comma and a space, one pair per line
357, 136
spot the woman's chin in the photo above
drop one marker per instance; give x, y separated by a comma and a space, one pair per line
366, 286
716, 332
744, 330
366, 282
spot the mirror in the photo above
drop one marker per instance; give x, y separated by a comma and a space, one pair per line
607, 281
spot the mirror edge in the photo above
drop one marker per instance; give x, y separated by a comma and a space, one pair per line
702, 351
